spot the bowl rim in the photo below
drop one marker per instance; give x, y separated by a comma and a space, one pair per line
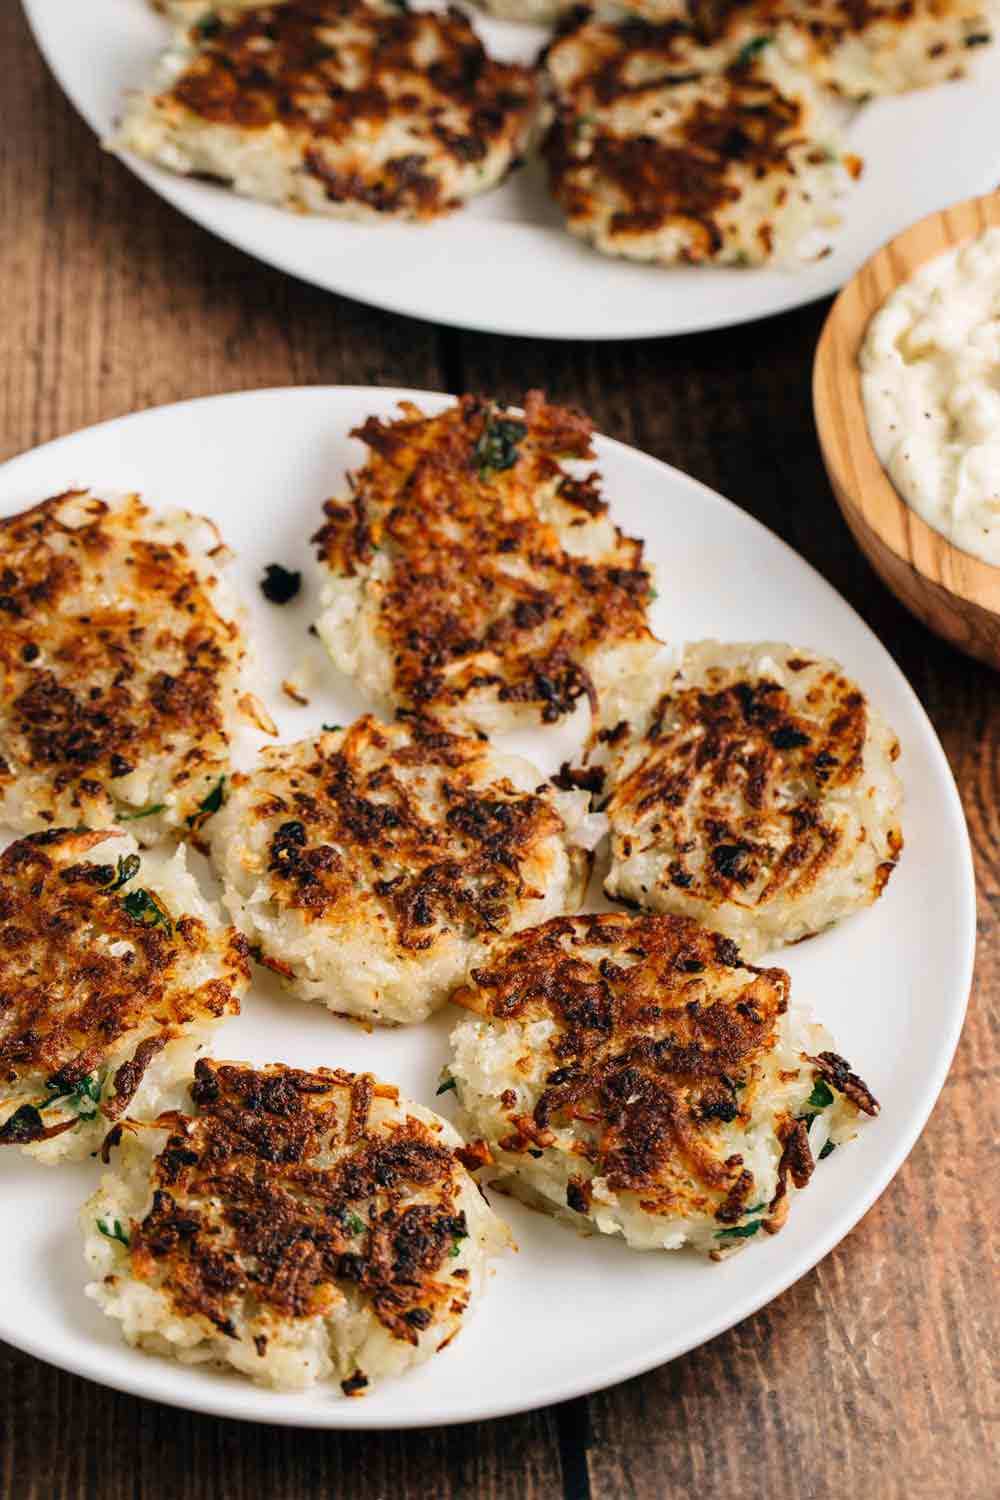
856, 472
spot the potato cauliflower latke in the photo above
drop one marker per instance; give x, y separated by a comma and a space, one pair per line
122, 653
667, 149
753, 789
372, 865
473, 576
295, 1226
113, 971
632, 1075
356, 108
858, 48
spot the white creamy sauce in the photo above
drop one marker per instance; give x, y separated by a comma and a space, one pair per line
930, 379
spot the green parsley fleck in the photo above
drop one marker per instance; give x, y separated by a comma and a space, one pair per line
820, 1097
456, 1249
354, 1224
496, 446
211, 805
143, 907
534, 1153
751, 50
209, 25
116, 1232
446, 1085
827, 1150
83, 1097
144, 812
331, 728
738, 1232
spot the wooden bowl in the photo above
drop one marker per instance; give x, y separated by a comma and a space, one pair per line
955, 594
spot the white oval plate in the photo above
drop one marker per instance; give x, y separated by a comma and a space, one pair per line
504, 265
565, 1315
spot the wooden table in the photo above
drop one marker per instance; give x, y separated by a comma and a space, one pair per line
872, 1375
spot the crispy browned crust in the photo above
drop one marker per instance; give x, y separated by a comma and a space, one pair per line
740, 120
245, 1216
656, 1043
79, 701
66, 1000
353, 837
290, 67
828, 24
455, 617
796, 1164
745, 745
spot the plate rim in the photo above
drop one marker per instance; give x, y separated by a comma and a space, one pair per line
226, 1400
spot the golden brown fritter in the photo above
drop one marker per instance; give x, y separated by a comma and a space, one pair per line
650, 1044
473, 576
371, 863
636, 1071
859, 48
120, 660
242, 1210
296, 1224
667, 149
755, 791
98, 975
350, 107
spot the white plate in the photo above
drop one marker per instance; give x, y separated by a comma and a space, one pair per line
565, 1315
504, 265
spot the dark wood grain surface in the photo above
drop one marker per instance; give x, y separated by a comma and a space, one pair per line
876, 1374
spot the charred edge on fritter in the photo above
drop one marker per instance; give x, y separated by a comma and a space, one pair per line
828, 26
639, 1051
273, 67
828, 23
448, 521
59, 719
467, 872
743, 741
63, 1006
240, 1211
836, 1070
